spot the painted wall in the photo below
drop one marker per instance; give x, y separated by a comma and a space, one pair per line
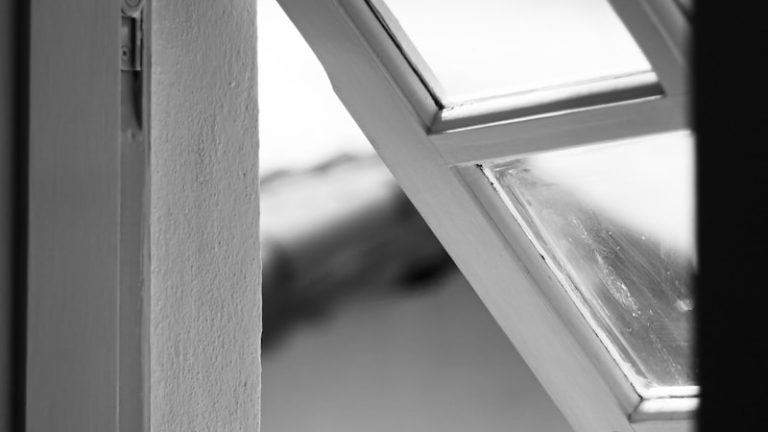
206, 301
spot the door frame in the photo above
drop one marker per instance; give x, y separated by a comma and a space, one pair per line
87, 267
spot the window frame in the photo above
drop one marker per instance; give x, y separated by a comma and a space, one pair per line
568, 97
435, 161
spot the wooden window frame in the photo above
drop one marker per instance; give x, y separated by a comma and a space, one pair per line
434, 153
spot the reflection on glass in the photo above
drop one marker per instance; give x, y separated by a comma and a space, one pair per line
616, 224
471, 50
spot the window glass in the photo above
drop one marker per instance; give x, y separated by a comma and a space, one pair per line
616, 223
473, 50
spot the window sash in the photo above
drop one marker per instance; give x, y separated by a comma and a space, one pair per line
397, 113
658, 27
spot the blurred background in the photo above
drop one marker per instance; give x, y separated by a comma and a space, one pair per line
368, 325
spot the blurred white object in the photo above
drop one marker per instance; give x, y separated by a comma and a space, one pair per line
301, 121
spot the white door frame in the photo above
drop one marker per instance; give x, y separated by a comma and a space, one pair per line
87, 344
89, 366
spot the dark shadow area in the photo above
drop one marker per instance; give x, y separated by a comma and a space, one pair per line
15, 200
730, 91
21, 205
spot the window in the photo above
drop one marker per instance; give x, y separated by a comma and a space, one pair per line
615, 223
467, 55
542, 179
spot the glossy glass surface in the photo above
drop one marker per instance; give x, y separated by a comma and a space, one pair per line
616, 224
473, 50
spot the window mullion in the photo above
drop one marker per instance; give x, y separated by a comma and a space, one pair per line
580, 127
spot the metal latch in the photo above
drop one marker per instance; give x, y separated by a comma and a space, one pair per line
131, 35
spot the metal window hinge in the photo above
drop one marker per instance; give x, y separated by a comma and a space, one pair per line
133, 82
131, 37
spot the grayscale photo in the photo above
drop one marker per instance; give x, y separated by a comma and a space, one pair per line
376, 216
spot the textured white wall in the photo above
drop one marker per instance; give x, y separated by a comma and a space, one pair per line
206, 301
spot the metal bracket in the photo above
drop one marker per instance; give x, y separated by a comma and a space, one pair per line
131, 62
131, 38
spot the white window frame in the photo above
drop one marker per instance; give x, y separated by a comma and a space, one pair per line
434, 154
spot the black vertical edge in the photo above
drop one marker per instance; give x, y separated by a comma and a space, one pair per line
20, 214
731, 124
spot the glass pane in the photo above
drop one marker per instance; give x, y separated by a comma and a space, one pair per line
472, 50
616, 223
